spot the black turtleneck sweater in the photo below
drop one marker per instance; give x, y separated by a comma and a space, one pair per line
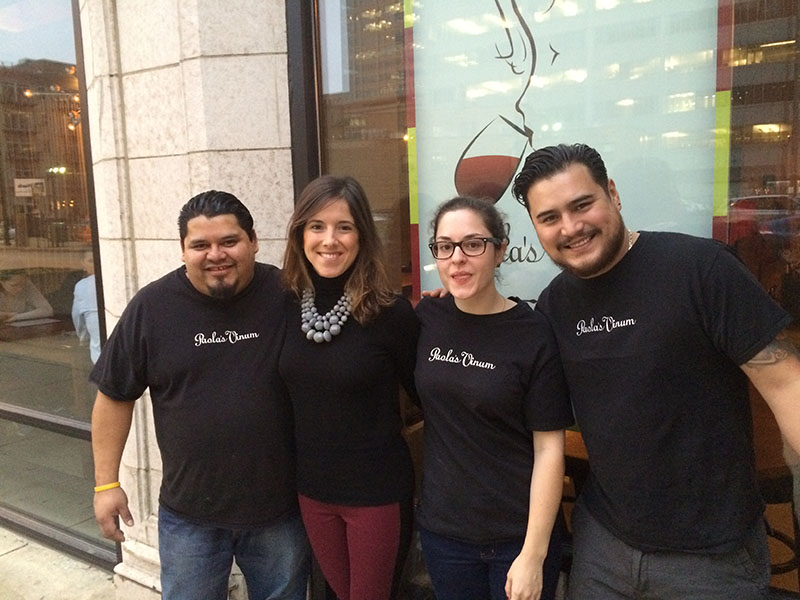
345, 398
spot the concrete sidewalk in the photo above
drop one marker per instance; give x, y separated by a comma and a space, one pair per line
31, 571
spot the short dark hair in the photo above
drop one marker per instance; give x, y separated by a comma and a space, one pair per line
213, 203
545, 162
492, 218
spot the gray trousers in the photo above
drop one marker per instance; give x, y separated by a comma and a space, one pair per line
606, 568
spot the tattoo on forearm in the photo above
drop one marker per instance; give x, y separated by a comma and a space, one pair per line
776, 351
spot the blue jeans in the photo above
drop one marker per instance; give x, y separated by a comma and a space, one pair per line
196, 560
606, 568
465, 571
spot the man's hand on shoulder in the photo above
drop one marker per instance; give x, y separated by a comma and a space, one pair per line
437, 293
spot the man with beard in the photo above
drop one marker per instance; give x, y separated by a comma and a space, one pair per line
205, 340
658, 334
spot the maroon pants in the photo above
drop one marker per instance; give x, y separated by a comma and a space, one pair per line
356, 546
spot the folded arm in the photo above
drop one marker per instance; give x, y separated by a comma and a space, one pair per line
37, 305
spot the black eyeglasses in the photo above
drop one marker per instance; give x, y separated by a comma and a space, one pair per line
470, 247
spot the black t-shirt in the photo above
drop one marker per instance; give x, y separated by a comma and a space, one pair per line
485, 382
222, 419
346, 406
651, 351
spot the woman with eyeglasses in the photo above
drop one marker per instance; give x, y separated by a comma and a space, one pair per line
493, 393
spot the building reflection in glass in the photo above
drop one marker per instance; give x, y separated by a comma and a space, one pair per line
46, 471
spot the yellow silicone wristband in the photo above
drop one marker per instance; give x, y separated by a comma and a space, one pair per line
108, 486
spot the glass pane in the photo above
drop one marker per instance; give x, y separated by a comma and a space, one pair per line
363, 114
46, 262
48, 476
763, 211
699, 128
48, 302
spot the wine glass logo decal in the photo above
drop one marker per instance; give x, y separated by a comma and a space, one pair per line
490, 159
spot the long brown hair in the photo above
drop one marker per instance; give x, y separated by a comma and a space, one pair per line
368, 284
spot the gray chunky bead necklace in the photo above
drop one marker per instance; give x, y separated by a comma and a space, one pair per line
322, 328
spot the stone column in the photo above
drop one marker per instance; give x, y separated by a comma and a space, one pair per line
183, 96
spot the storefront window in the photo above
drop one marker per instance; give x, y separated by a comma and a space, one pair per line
363, 114
49, 320
422, 103
694, 106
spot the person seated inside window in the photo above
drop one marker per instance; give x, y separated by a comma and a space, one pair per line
20, 299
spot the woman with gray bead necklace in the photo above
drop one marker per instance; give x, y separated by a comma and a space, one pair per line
350, 342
